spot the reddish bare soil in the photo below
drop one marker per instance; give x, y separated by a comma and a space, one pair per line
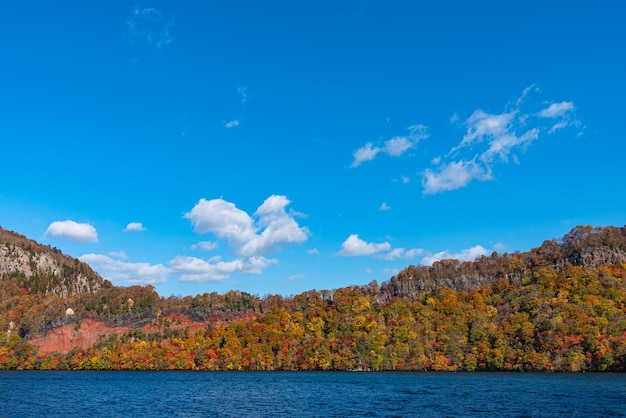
90, 331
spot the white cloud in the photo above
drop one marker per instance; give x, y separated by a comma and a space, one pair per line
557, 110
119, 254
129, 273
226, 221
313, 251
232, 123
498, 246
452, 176
205, 246
134, 226
398, 253
268, 230
557, 126
397, 146
384, 207
280, 228
223, 219
393, 147
192, 269
295, 277
503, 145
493, 138
482, 125
354, 246
365, 153
469, 254
150, 26
72, 231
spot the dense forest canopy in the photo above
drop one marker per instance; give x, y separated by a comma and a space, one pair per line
560, 306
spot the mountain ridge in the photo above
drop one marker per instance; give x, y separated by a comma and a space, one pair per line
559, 306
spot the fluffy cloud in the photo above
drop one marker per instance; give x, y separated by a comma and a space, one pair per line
384, 207
192, 269
354, 246
268, 230
393, 147
492, 138
469, 254
223, 219
72, 231
279, 228
232, 123
134, 227
272, 230
119, 270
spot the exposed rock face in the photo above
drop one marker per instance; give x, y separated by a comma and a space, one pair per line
583, 246
42, 269
88, 332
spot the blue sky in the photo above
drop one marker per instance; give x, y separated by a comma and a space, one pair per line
276, 147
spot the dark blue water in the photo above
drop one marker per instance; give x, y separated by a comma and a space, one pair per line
326, 394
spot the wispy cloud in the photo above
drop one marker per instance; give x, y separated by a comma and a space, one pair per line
243, 94
134, 227
393, 147
398, 253
557, 110
150, 26
72, 231
205, 246
295, 277
494, 138
119, 271
231, 124
384, 207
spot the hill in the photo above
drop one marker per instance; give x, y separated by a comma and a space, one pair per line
583, 246
560, 306
41, 269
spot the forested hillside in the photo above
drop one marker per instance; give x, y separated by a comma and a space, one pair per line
558, 307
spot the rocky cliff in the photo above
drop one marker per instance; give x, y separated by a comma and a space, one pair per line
43, 269
583, 246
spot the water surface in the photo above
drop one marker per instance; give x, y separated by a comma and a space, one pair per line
310, 394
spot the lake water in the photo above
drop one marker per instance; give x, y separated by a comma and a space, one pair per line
303, 394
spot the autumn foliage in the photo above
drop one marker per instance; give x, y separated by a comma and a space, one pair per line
559, 307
